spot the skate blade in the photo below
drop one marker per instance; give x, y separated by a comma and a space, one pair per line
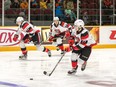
22, 58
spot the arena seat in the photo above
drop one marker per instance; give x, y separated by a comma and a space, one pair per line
84, 5
0, 5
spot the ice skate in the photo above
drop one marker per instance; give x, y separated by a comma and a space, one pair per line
83, 66
49, 53
23, 57
73, 71
57, 49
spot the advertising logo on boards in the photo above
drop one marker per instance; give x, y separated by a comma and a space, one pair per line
6, 37
113, 35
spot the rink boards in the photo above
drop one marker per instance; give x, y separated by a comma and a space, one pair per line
105, 36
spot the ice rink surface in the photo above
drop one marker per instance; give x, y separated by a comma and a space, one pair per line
100, 70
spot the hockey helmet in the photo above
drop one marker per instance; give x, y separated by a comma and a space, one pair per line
19, 19
79, 23
56, 18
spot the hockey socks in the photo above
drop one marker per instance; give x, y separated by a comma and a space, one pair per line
24, 54
61, 47
74, 67
83, 66
48, 51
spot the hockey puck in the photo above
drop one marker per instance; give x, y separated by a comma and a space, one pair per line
45, 72
31, 78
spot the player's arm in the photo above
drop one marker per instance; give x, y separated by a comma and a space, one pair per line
83, 41
51, 34
16, 35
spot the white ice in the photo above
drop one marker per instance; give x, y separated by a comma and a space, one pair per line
100, 70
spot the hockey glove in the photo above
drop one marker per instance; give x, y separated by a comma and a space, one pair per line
67, 34
71, 41
37, 31
27, 40
15, 38
51, 38
74, 47
68, 49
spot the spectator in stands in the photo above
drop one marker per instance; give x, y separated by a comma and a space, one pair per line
69, 4
24, 4
107, 3
15, 4
69, 9
50, 4
108, 11
43, 4
33, 4
7, 4
85, 17
59, 12
69, 13
59, 1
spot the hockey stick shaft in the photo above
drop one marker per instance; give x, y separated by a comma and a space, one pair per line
56, 64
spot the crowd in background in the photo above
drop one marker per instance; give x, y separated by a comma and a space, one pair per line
64, 9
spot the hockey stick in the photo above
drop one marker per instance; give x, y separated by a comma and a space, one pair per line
49, 74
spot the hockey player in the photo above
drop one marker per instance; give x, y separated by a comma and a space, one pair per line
81, 43
57, 32
31, 34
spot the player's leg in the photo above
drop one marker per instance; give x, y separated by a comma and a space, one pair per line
37, 40
74, 63
23, 56
54, 43
60, 44
57, 48
23, 47
85, 53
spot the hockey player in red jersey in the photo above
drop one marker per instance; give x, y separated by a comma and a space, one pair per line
57, 32
31, 34
81, 42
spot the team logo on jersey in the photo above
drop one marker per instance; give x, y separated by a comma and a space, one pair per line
57, 31
6, 37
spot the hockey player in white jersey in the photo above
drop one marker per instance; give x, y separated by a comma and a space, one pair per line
81, 42
31, 34
57, 33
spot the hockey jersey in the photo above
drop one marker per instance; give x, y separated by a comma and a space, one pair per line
59, 29
27, 28
82, 38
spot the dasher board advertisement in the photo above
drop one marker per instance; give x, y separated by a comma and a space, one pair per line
107, 35
7, 34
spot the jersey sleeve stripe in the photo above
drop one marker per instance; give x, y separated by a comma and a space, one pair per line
25, 25
84, 35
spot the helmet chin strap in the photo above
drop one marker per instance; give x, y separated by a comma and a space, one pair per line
80, 28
